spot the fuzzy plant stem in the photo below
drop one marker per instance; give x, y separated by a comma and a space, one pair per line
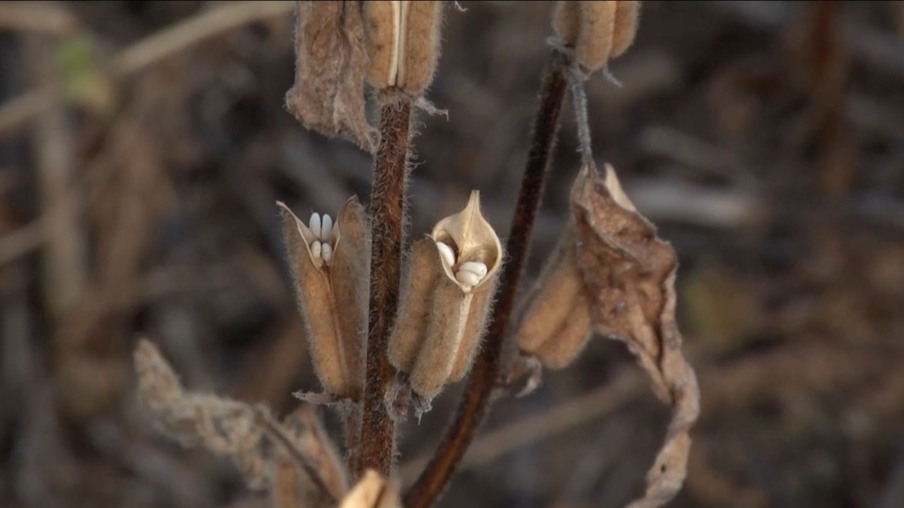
376, 446
474, 403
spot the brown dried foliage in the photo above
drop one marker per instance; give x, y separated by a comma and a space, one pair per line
249, 436
629, 276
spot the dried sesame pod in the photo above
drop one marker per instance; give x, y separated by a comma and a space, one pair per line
444, 337
349, 273
569, 339
555, 325
402, 39
627, 15
424, 269
421, 43
471, 238
443, 313
593, 47
566, 21
381, 20
475, 327
331, 63
551, 298
326, 285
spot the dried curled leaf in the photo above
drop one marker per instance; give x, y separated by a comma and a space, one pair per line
629, 279
223, 426
259, 446
306, 431
331, 60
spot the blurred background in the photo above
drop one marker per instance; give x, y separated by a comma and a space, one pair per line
143, 144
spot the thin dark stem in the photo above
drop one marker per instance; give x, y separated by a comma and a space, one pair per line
387, 207
474, 403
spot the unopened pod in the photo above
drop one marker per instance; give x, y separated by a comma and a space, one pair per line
403, 43
330, 265
554, 326
597, 30
445, 301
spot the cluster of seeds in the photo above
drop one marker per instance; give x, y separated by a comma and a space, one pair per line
469, 273
322, 247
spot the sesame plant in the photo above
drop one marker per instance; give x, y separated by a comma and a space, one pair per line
389, 327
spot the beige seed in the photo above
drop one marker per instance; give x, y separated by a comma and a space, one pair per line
446, 253
469, 279
314, 224
476, 267
326, 229
317, 252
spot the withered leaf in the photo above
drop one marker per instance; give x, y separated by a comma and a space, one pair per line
249, 435
628, 274
331, 61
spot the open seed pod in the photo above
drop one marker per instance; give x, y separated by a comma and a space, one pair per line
330, 265
445, 300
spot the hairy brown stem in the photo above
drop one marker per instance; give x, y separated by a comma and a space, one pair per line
376, 448
474, 403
